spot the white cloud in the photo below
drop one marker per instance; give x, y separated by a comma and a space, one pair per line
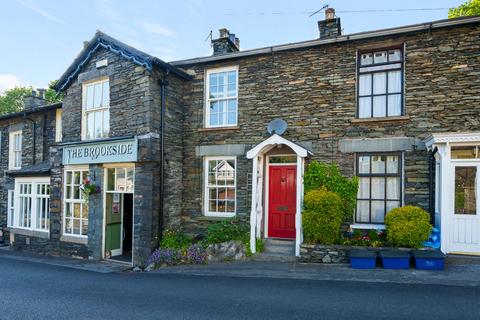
32, 6
156, 28
9, 81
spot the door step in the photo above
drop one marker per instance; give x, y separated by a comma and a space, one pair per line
278, 257
279, 247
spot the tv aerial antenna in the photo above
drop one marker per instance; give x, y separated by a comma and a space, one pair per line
319, 10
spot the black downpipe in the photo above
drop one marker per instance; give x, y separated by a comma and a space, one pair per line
163, 89
431, 171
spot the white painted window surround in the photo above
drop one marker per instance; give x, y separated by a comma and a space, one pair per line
58, 125
31, 202
10, 208
75, 209
15, 150
221, 96
220, 186
96, 110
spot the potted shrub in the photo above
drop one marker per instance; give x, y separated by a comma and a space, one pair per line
407, 227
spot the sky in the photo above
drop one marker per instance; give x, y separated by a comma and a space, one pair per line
39, 39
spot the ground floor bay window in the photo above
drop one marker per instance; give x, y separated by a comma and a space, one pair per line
75, 209
31, 204
379, 190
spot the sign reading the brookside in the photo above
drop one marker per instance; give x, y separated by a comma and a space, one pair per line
101, 152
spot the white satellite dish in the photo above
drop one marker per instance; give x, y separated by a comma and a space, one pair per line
277, 126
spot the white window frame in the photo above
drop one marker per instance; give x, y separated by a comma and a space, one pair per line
58, 125
208, 100
85, 112
67, 201
12, 151
209, 213
10, 208
34, 182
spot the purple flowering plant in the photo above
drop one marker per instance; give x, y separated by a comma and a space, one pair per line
196, 254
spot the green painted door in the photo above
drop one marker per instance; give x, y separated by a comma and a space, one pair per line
113, 232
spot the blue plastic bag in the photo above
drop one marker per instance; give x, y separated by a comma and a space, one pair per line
433, 240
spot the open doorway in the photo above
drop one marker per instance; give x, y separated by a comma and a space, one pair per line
119, 214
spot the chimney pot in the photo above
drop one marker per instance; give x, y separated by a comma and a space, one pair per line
329, 14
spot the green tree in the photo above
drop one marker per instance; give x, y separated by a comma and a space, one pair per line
12, 100
469, 8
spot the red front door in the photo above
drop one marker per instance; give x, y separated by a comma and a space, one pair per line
282, 194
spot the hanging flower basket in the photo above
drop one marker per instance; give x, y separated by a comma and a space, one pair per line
87, 188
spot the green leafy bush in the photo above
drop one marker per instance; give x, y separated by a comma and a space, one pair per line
322, 217
408, 226
227, 230
174, 239
328, 176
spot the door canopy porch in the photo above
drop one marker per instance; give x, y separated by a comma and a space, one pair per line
257, 155
273, 141
457, 157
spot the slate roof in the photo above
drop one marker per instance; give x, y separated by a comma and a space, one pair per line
25, 112
102, 40
39, 169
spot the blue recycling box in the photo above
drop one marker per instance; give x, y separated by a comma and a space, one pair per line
395, 259
429, 259
363, 259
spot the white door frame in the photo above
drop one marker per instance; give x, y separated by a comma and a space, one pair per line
267, 186
450, 219
104, 192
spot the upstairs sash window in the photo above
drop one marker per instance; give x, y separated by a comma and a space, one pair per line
96, 110
15, 150
380, 83
222, 98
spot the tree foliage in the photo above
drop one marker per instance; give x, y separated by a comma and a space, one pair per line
12, 100
469, 8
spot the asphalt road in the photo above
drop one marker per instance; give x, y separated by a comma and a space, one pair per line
36, 291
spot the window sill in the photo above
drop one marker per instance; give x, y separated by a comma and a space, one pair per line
368, 226
380, 119
233, 128
74, 239
30, 233
219, 216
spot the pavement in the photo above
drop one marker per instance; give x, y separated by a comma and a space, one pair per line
79, 264
459, 270
37, 290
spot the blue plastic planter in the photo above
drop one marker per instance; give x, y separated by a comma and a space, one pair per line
395, 259
429, 260
363, 259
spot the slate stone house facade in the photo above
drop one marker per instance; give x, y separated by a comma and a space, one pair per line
184, 144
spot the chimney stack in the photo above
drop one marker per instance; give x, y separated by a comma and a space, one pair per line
34, 100
330, 27
226, 42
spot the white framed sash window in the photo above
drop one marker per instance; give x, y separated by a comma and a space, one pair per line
31, 204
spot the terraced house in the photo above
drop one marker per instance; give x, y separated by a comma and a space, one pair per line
162, 145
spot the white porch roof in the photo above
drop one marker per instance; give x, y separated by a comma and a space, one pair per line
273, 141
451, 137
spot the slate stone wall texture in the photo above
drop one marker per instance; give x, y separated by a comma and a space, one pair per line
314, 90
30, 155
